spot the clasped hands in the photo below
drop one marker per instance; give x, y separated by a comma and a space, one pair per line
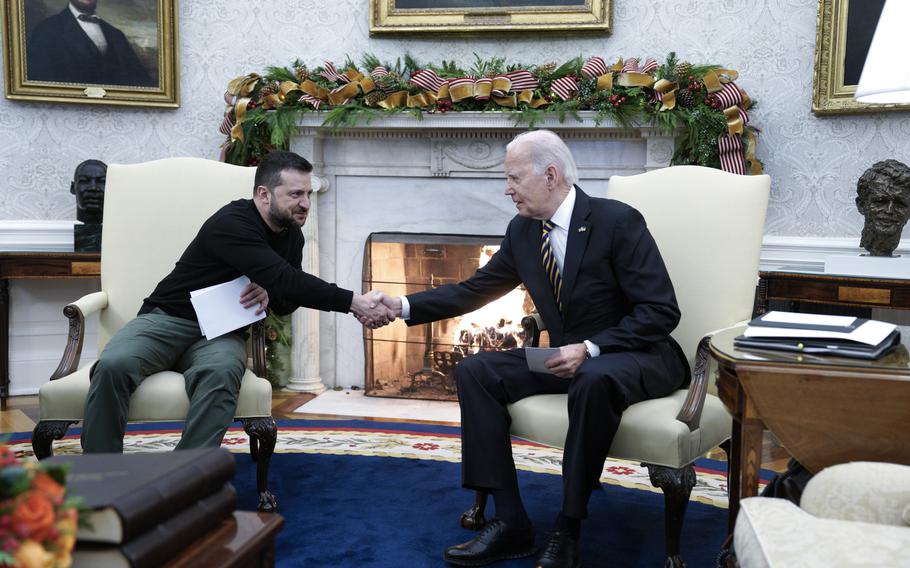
375, 309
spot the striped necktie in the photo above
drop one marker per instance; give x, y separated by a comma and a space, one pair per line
550, 266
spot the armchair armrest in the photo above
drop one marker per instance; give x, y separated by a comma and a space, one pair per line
532, 326
258, 346
690, 413
869, 492
76, 313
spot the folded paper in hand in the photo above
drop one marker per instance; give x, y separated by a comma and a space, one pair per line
219, 310
537, 358
841, 336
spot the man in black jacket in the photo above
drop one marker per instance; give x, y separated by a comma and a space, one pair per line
258, 238
76, 46
600, 285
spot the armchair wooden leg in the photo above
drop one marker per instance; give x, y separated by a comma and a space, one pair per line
44, 434
263, 433
677, 485
473, 518
727, 448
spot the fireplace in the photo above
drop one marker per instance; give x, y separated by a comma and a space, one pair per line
419, 361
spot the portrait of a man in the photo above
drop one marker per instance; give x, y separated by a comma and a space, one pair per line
92, 42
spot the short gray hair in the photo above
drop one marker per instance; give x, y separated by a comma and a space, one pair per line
546, 148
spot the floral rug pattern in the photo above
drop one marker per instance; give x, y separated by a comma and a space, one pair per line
710, 488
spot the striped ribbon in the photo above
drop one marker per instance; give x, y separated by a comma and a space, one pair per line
332, 74
730, 148
564, 87
550, 266
594, 67
631, 65
522, 80
427, 79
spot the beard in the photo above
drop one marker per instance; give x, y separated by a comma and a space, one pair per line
284, 219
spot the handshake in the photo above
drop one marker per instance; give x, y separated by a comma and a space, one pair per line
375, 309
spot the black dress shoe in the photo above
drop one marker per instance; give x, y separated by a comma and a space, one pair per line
561, 552
497, 541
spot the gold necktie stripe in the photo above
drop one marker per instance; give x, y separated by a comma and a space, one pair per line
548, 258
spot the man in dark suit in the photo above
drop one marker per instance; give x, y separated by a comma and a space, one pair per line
76, 46
600, 285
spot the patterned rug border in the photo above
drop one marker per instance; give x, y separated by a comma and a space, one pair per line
396, 440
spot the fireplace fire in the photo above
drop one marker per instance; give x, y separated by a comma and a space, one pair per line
419, 361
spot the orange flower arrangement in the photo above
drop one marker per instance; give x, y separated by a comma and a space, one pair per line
37, 521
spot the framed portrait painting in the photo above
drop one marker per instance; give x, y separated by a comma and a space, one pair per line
842, 40
120, 52
421, 16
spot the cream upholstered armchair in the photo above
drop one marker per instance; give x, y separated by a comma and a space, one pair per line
708, 225
151, 213
850, 515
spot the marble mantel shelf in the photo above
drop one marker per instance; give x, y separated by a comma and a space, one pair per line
477, 120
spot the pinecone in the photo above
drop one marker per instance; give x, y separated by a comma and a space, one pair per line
685, 98
682, 71
265, 91
389, 83
545, 69
373, 97
301, 74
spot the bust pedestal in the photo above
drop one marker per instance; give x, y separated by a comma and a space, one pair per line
86, 238
872, 266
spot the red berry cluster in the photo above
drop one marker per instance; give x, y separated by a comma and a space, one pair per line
617, 100
443, 105
694, 85
252, 104
713, 101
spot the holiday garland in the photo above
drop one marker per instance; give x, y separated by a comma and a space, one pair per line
702, 102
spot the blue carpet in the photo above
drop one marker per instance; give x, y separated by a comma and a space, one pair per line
393, 512
402, 512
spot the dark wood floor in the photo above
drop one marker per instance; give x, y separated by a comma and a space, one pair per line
22, 414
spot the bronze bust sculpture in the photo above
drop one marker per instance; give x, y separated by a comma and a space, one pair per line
883, 198
88, 187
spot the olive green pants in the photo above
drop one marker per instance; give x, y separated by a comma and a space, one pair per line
156, 342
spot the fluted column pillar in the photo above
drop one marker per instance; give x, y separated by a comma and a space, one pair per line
305, 322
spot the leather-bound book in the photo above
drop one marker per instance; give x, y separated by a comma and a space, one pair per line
130, 493
164, 541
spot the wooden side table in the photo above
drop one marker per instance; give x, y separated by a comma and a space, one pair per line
832, 289
825, 410
244, 540
40, 266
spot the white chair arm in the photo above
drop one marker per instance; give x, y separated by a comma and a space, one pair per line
91, 303
870, 492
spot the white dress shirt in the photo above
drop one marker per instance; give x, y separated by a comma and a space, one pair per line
92, 30
559, 235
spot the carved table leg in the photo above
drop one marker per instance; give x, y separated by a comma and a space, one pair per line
263, 433
677, 485
45, 433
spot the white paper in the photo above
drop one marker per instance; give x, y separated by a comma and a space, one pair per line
219, 310
537, 357
807, 319
872, 332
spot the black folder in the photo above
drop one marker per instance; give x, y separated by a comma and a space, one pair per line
821, 346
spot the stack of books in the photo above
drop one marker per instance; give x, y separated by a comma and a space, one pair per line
145, 509
840, 336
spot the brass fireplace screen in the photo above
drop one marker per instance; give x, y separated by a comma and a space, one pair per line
419, 361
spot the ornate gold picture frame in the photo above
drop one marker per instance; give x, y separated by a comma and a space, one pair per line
124, 54
422, 16
844, 32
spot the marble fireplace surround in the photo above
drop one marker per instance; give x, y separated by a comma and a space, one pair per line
442, 174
